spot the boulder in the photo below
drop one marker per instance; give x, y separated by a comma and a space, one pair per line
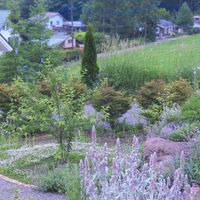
164, 147
166, 150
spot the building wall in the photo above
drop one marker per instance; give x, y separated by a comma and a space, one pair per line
56, 21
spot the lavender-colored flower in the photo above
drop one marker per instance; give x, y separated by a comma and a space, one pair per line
94, 135
124, 179
133, 116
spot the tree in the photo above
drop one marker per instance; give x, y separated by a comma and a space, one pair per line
89, 67
30, 49
185, 17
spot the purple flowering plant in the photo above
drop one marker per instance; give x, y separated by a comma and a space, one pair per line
125, 178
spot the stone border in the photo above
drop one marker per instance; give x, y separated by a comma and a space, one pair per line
5, 178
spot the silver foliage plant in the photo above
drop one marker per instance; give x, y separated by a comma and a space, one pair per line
126, 178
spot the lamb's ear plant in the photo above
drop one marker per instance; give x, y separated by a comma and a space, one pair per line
126, 178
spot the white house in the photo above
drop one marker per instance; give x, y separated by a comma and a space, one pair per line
4, 45
55, 20
165, 28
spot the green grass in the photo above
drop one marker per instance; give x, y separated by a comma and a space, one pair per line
169, 60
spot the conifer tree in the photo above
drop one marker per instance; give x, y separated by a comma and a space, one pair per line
185, 17
89, 67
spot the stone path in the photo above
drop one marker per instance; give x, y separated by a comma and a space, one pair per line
12, 191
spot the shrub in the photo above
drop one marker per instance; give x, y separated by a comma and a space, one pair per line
72, 55
43, 87
117, 102
177, 92
149, 93
127, 177
191, 109
152, 113
186, 133
76, 86
64, 180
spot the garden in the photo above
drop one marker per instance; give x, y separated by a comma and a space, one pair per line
144, 105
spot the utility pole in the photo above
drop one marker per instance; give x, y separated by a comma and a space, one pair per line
72, 21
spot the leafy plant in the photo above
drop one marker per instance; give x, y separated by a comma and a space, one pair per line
117, 102
176, 92
149, 93
125, 178
60, 180
193, 164
191, 109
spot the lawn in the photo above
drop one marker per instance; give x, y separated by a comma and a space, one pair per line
168, 60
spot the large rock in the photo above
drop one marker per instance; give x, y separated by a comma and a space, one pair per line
166, 150
164, 147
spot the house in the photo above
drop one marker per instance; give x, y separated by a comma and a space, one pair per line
62, 40
165, 29
78, 26
196, 23
4, 45
55, 20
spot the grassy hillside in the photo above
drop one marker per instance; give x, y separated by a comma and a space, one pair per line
169, 60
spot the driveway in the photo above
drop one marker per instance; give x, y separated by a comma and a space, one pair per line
13, 191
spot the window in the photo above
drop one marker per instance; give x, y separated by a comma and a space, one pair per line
57, 22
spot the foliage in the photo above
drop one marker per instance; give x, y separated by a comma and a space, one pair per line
185, 134
185, 16
117, 102
176, 92
149, 93
29, 39
89, 67
33, 111
109, 17
164, 14
126, 178
193, 164
62, 181
78, 88
152, 113
72, 55
191, 109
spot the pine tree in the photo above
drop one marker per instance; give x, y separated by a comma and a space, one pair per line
89, 67
185, 17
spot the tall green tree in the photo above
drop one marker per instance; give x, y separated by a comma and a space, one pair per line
29, 40
185, 17
89, 67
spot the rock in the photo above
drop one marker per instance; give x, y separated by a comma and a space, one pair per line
164, 147
166, 151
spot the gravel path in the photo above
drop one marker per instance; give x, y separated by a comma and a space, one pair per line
9, 191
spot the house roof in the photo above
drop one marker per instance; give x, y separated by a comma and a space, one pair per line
166, 24
58, 38
75, 24
4, 45
3, 17
47, 15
